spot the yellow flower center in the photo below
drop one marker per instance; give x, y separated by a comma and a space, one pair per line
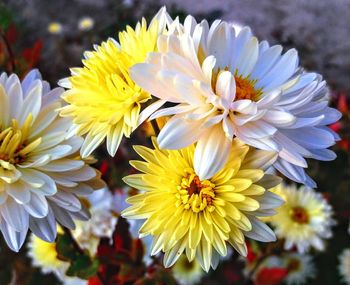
194, 193
13, 145
245, 89
299, 215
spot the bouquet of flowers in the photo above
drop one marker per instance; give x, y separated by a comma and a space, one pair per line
227, 125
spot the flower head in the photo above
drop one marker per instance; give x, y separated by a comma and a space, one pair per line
300, 268
344, 265
103, 100
187, 273
101, 224
186, 214
54, 28
86, 24
86, 234
44, 255
41, 174
229, 84
304, 220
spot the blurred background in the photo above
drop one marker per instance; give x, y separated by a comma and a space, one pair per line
53, 35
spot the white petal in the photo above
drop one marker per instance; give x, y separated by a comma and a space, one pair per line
14, 239
149, 110
114, 137
15, 215
91, 143
32, 103
178, 133
37, 206
260, 231
45, 228
211, 152
19, 191
279, 118
226, 87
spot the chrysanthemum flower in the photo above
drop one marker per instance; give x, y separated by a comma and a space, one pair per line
185, 213
44, 255
344, 265
41, 174
104, 102
86, 234
304, 220
232, 85
101, 224
187, 273
300, 268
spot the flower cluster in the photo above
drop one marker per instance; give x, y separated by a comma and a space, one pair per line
235, 113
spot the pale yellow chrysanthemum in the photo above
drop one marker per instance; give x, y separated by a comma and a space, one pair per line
344, 265
187, 273
54, 28
103, 100
44, 255
183, 213
304, 220
86, 23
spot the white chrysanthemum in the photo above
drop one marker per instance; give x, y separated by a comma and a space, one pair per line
344, 265
304, 220
119, 205
300, 268
40, 171
187, 273
87, 235
225, 85
101, 224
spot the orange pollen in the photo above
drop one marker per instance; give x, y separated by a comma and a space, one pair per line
300, 215
245, 89
293, 265
195, 186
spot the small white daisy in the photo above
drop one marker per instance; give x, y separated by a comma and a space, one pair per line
304, 220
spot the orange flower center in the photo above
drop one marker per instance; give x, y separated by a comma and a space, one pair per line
293, 265
245, 89
195, 194
300, 215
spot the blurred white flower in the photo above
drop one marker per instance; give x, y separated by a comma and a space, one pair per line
304, 220
344, 265
86, 24
101, 224
300, 268
54, 28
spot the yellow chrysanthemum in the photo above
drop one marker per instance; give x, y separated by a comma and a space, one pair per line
187, 273
184, 213
102, 98
304, 220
